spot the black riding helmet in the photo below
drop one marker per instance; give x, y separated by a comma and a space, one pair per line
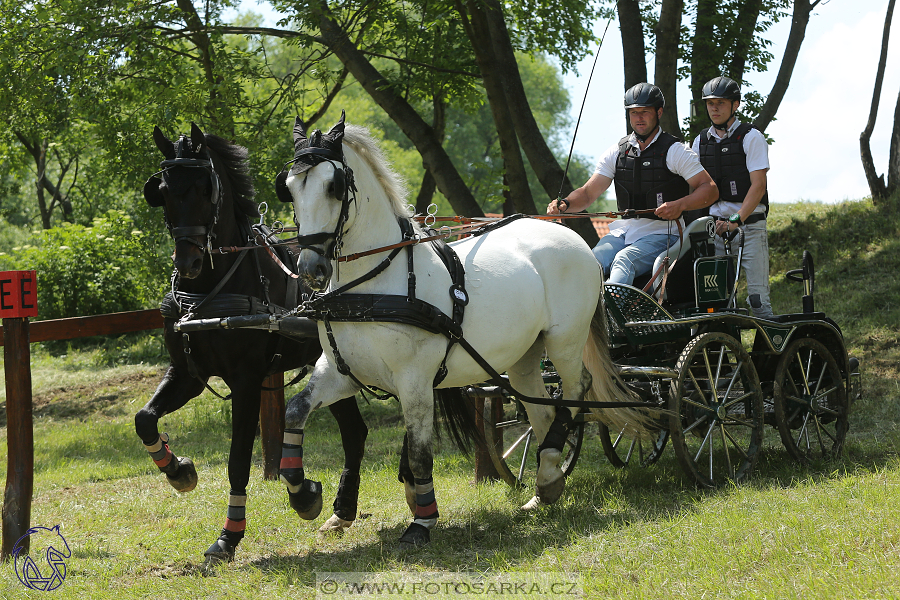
722, 87
726, 89
644, 94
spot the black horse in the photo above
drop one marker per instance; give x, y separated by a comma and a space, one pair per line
206, 193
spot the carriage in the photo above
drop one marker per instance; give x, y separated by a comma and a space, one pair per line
722, 375
681, 362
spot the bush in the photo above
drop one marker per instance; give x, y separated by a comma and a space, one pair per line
108, 267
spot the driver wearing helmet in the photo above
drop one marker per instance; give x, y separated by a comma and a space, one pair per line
737, 157
652, 171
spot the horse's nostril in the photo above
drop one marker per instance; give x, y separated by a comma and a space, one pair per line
197, 264
320, 272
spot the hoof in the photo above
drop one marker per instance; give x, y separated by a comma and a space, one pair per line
335, 525
550, 492
185, 478
550, 479
533, 504
308, 501
219, 553
415, 536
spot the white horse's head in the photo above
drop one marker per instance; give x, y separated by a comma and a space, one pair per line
322, 184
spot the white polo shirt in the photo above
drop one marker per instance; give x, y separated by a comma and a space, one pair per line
757, 150
680, 159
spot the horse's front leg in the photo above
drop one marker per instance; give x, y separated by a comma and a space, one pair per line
174, 391
325, 387
418, 412
245, 419
353, 438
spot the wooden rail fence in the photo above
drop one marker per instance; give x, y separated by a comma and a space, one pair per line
16, 338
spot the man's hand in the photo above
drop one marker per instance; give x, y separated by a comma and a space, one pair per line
560, 205
723, 227
669, 211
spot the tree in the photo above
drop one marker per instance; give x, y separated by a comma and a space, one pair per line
881, 191
724, 37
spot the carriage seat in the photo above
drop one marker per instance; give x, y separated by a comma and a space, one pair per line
697, 241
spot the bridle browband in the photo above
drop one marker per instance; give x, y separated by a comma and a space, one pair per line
189, 234
323, 243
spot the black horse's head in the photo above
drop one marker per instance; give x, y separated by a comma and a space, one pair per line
199, 175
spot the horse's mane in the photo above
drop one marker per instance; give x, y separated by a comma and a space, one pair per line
236, 162
367, 147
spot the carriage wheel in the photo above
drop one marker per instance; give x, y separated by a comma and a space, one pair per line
717, 410
811, 407
516, 459
622, 450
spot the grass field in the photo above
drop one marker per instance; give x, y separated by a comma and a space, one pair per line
825, 531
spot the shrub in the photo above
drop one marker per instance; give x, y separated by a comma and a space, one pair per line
108, 267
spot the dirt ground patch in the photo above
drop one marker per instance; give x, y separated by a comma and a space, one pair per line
110, 396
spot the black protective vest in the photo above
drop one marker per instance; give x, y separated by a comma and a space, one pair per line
644, 182
726, 163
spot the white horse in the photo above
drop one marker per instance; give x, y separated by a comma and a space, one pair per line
532, 286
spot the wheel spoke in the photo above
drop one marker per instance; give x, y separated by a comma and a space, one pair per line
698, 388
525, 454
630, 450
705, 439
695, 423
697, 404
725, 448
515, 444
825, 431
736, 445
739, 399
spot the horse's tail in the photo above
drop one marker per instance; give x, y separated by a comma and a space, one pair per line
608, 386
458, 418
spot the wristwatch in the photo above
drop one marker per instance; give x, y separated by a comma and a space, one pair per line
736, 218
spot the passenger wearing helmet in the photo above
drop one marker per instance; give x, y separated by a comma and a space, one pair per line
651, 170
737, 157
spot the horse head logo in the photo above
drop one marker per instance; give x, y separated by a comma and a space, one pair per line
41, 575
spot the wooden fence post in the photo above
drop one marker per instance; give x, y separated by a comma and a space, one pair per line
271, 424
19, 435
484, 466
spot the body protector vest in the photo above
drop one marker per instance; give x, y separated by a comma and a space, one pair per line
726, 163
644, 182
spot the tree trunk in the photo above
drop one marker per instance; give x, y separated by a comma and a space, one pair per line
634, 56
544, 164
428, 187
704, 65
876, 182
410, 122
220, 115
893, 180
741, 34
668, 33
802, 10
479, 33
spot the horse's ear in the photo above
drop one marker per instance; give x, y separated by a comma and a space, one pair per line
336, 133
152, 194
299, 133
281, 189
163, 143
198, 138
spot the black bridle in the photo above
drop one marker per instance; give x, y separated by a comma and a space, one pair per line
324, 243
191, 232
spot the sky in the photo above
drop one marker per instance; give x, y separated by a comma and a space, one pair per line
815, 151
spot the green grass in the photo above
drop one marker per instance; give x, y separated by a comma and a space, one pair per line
824, 531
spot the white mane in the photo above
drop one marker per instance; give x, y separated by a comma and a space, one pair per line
367, 148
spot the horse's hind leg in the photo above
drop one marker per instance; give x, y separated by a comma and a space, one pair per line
551, 425
176, 388
244, 421
353, 438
